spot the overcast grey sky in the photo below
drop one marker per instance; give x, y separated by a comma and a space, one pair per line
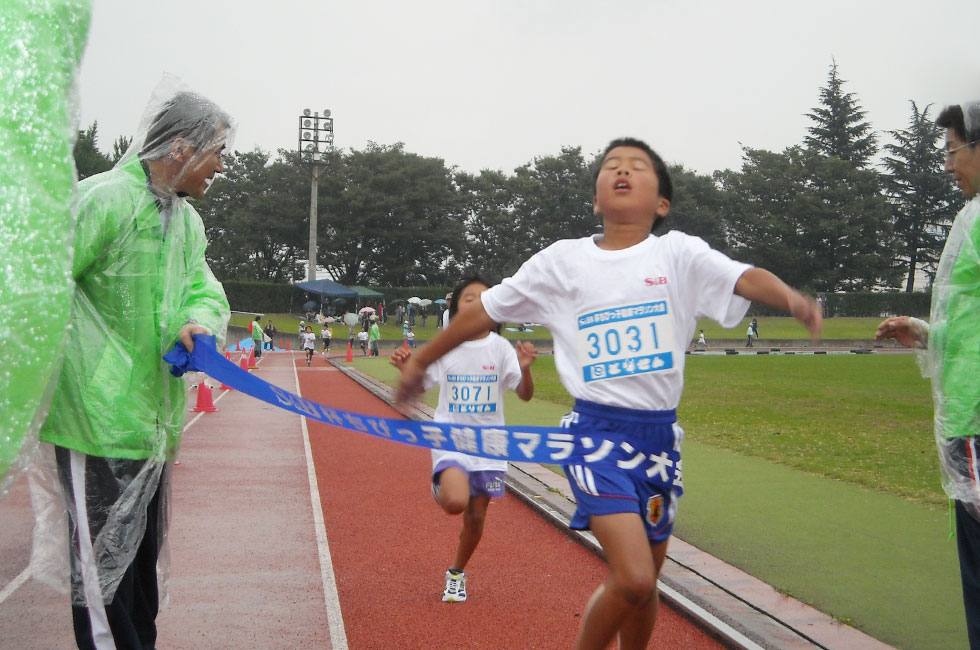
493, 84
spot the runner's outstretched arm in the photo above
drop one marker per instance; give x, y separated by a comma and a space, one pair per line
759, 285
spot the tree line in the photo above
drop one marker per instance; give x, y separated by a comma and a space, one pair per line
836, 212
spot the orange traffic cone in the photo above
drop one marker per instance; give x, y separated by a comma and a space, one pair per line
238, 345
405, 344
251, 358
350, 352
287, 345
243, 363
204, 400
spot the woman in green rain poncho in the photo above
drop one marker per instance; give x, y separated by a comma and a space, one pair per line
950, 351
115, 420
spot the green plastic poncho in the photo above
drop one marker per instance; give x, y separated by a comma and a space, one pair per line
952, 358
41, 43
141, 275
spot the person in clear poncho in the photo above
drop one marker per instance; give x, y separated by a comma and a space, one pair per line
115, 419
950, 351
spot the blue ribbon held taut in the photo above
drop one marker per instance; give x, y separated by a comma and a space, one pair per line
512, 443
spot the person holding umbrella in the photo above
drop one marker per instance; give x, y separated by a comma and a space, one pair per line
444, 315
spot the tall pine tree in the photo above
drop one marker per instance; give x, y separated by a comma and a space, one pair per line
854, 230
88, 159
839, 126
921, 195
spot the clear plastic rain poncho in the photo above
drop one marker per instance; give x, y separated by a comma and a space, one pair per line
952, 358
41, 43
116, 415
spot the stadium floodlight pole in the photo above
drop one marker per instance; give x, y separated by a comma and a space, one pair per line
315, 141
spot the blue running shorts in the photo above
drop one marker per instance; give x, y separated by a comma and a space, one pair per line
641, 473
483, 483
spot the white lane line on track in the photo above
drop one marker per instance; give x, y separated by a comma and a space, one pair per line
198, 416
335, 618
731, 634
14, 584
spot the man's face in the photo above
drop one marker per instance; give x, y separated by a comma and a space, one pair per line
200, 166
963, 162
628, 184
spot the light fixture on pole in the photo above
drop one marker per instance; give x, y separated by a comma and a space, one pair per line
315, 141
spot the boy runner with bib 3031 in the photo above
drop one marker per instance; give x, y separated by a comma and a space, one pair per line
622, 307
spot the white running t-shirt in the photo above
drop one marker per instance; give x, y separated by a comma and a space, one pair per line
472, 380
621, 320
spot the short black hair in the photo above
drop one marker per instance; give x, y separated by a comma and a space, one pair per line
187, 115
659, 167
951, 117
469, 278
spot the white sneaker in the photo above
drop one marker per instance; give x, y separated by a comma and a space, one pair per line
455, 588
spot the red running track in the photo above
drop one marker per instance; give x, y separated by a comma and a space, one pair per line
391, 545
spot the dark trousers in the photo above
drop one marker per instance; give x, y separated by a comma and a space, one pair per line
131, 615
968, 544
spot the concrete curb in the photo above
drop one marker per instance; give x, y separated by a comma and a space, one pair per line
741, 610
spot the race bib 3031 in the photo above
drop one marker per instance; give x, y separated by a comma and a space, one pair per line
625, 341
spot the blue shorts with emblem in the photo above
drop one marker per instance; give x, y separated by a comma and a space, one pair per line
483, 483
641, 473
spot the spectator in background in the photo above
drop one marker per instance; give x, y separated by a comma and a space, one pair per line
362, 338
445, 313
326, 334
270, 332
255, 329
374, 337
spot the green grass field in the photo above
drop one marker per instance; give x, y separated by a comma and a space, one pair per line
789, 328
862, 419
